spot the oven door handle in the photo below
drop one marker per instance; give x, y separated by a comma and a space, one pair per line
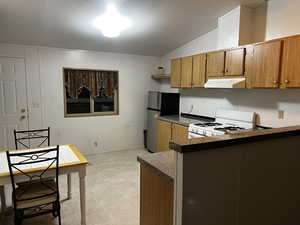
193, 135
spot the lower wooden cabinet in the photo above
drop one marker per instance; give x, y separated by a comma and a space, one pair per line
164, 134
167, 131
179, 132
156, 201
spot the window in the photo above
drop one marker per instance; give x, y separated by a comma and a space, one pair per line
90, 92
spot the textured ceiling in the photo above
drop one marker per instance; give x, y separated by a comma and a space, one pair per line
159, 26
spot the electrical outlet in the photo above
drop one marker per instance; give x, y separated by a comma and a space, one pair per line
280, 114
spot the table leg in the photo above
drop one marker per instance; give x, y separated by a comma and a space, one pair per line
3, 200
82, 174
69, 186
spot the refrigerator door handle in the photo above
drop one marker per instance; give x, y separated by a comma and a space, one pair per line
158, 101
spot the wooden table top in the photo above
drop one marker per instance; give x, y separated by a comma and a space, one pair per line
81, 158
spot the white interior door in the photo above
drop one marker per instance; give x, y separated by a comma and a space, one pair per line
13, 100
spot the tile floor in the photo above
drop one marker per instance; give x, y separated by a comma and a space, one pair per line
112, 193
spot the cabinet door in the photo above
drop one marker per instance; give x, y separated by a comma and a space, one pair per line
215, 64
291, 62
235, 62
156, 198
175, 73
164, 132
186, 72
266, 64
179, 133
199, 69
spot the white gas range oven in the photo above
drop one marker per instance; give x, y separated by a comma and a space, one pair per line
227, 121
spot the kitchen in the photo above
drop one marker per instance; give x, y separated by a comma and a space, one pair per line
214, 87
239, 108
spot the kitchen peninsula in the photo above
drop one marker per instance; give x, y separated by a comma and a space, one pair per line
243, 179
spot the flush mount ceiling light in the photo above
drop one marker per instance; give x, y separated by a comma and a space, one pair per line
112, 23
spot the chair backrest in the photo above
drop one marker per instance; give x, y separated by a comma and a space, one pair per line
22, 163
32, 138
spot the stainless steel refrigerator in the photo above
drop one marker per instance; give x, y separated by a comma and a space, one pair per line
159, 104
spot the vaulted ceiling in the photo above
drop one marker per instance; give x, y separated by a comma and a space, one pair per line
158, 26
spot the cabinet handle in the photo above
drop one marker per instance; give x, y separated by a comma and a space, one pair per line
275, 81
287, 81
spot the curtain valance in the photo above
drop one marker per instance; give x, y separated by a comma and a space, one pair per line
99, 83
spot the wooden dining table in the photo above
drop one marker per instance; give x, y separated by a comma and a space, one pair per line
71, 160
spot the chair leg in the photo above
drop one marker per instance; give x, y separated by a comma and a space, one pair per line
18, 217
3, 200
59, 219
58, 213
55, 209
69, 180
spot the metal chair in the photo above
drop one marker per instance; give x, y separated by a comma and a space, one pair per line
32, 138
38, 195
35, 139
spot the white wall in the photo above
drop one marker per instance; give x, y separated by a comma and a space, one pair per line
265, 103
282, 19
44, 72
229, 24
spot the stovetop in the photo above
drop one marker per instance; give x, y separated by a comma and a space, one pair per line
226, 121
215, 128
209, 124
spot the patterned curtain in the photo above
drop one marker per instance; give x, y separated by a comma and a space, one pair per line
99, 83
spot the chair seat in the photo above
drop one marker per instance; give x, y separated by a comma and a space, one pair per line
35, 190
43, 179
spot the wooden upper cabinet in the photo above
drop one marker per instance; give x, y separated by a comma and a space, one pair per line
290, 76
179, 133
248, 65
164, 132
175, 73
199, 70
186, 72
235, 62
215, 64
266, 64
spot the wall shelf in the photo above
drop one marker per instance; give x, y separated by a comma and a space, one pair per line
160, 76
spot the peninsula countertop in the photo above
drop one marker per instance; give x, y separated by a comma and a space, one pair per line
219, 141
162, 163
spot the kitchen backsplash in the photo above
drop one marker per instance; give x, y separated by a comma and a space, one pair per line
270, 105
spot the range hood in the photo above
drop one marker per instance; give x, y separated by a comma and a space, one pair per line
226, 83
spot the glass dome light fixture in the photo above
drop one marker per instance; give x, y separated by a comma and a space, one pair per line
112, 23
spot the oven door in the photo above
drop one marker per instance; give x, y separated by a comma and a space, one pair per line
193, 135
